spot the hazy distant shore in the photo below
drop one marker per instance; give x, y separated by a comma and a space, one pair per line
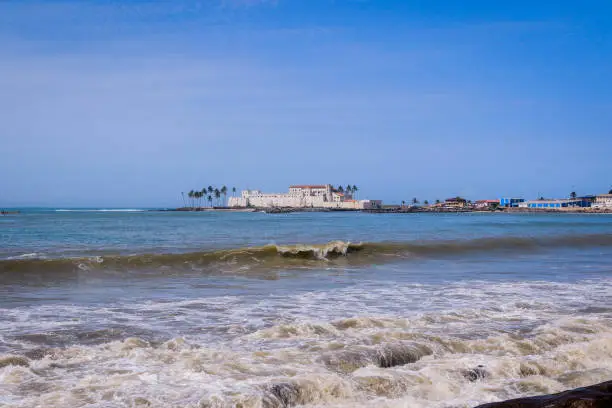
393, 210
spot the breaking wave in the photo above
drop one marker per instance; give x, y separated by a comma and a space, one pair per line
271, 256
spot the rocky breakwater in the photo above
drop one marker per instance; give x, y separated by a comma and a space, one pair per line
594, 396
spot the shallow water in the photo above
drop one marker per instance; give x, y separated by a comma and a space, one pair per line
111, 309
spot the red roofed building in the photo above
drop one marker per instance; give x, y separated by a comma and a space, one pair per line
486, 204
309, 186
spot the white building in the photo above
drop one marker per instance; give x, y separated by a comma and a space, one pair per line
303, 196
603, 201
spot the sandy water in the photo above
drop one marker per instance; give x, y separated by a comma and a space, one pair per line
502, 306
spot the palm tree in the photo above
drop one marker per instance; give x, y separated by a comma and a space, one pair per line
234, 191
415, 201
210, 200
340, 189
437, 201
217, 195
184, 202
203, 193
190, 195
210, 189
403, 203
348, 189
426, 202
573, 195
224, 192
355, 189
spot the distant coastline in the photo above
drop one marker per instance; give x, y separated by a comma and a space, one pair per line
395, 210
327, 197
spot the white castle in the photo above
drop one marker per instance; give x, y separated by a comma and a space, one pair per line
303, 196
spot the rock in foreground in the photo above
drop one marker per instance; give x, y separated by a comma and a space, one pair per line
594, 396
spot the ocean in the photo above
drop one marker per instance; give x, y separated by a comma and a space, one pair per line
131, 308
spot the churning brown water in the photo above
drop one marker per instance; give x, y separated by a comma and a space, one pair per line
451, 321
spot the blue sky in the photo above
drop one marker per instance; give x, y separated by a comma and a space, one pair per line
117, 103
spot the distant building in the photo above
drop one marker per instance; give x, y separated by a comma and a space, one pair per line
603, 201
455, 202
303, 196
510, 202
553, 204
486, 204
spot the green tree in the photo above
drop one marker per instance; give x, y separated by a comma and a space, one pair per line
234, 191
415, 201
209, 200
437, 201
210, 189
224, 192
191, 195
403, 203
426, 202
340, 189
355, 190
217, 195
348, 189
573, 195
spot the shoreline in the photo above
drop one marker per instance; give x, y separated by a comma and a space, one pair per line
391, 210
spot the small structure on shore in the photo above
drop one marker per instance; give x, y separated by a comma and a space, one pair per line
603, 201
486, 204
510, 202
6, 212
455, 203
556, 203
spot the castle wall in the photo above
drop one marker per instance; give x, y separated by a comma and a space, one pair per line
295, 201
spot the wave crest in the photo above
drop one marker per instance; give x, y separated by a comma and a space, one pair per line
331, 250
279, 256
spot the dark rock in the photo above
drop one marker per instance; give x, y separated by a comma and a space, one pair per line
594, 396
392, 355
475, 374
38, 354
385, 356
282, 395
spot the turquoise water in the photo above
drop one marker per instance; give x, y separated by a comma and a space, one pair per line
52, 233
119, 308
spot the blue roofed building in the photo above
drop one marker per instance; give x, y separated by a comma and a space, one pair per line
510, 202
557, 204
